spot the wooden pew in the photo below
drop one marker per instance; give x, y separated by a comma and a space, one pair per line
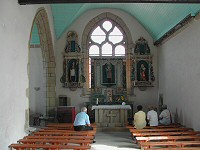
168, 138
57, 128
55, 141
64, 125
166, 133
60, 137
170, 144
59, 125
80, 133
180, 148
161, 130
160, 126
60, 128
47, 146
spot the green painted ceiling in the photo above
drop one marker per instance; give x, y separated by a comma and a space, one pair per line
34, 36
156, 18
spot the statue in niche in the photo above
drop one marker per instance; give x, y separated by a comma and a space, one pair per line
108, 73
73, 70
142, 71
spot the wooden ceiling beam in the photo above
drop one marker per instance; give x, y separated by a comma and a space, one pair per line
29, 2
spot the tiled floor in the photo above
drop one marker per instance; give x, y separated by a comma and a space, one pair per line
114, 141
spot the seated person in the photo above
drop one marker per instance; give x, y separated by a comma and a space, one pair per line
139, 118
82, 121
152, 117
165, 116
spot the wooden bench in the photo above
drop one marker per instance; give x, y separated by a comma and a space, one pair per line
47, 146
80, 133
59, 130
166, 133
65, 125
160, 126
55, 141
170, 144
180, 148
60, 137
167, 138
161, 130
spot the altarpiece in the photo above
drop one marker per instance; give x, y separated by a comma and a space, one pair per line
72, 63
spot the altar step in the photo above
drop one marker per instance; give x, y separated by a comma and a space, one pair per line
112, 129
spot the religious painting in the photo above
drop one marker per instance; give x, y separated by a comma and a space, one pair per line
108, 74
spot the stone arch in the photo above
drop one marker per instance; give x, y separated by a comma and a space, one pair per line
48, 56
91, 24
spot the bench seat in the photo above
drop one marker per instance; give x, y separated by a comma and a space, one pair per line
161, 130
169, 144
166, 133
47, 146
60, 137
80, 133
180, 148
55, 141
167, 138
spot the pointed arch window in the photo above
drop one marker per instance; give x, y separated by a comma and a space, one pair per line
106, 40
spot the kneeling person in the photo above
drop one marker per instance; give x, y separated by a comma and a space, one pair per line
82, 121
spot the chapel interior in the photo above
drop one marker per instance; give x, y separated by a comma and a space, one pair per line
108, 57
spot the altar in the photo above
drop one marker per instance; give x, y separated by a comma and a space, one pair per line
111, 115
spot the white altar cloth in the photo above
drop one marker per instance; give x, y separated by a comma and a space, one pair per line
111, 107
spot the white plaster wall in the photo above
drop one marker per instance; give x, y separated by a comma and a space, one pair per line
15, 26
37, 80
179, 73
142, 97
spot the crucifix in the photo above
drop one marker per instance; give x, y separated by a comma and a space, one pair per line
111, 115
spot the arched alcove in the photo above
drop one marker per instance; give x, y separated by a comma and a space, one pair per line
48, 64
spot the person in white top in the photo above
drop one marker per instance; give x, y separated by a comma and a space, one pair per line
165, 116
152, 117
139, 118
